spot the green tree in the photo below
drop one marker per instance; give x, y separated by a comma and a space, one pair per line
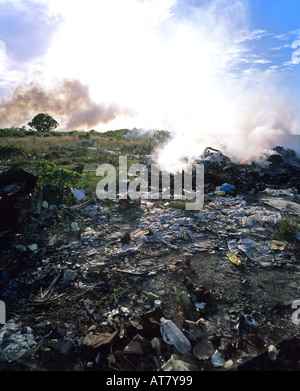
43, 123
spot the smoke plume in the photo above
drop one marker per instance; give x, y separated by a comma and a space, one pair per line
227, 101
69, 102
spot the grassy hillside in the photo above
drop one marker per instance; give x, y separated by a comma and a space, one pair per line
24, 147
69, 149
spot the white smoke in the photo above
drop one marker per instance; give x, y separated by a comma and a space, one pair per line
243, 113
189, 69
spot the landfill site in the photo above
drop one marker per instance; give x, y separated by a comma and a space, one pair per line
98, 294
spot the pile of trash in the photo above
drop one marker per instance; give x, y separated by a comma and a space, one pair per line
16, 186
280, 169
144, 286
89, 144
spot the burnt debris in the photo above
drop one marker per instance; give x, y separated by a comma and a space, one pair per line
73, 276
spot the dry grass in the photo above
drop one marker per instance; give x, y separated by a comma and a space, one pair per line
40, 144
27, 150
47, 144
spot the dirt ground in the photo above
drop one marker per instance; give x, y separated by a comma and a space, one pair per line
250, 306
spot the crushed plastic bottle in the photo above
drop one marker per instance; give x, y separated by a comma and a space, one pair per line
172, 335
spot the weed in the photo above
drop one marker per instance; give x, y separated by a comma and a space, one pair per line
116, 295
287, 228
88, 182
55, 182
77, 227
8, 150
69, 229
177, 204
84, 135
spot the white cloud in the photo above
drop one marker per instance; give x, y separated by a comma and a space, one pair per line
262, 61
188, 74
282, 37
8, 74
279, 47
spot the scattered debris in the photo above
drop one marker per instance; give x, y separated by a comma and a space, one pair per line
95, 339
138, 345
172, 335
180, 364
15, 341
234, 259
85, 277
125, 238
217, 360
203, 350
187, 305
272, 352
78, 194
69, 275
16, 200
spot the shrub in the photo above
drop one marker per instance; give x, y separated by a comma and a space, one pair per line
55, 182
84, 136
12, 132
8, 150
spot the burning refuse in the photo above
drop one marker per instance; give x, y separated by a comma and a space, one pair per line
186, 258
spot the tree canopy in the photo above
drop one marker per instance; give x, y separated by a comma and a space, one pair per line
43, 123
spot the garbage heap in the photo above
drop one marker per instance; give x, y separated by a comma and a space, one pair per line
90, 285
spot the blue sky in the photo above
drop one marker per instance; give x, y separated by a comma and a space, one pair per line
171, 55
26, 34
281, 22
27, 27
277, 16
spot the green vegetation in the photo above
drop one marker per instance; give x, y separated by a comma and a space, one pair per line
55, 182
9, 150
287, 228
43, 143
177, 204
69, 228
23, 132
48, 155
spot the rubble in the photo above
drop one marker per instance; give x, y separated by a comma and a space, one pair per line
89, 145
180, 364
217, 360
16, 186
84, 297
138, 345
15, 341
95, 340
84, 143
203, 350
